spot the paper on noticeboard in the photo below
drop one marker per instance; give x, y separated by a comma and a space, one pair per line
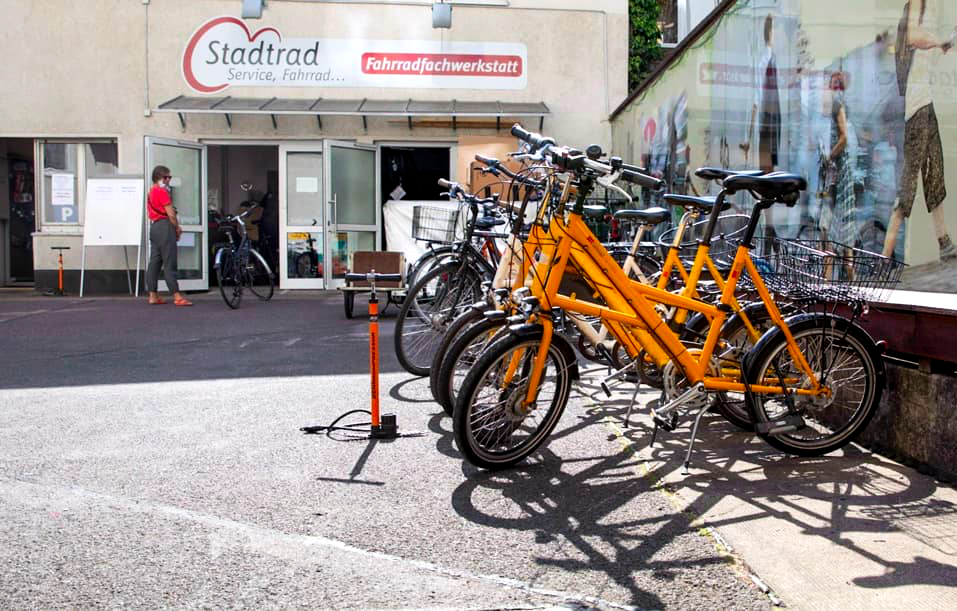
307, 184
61, 189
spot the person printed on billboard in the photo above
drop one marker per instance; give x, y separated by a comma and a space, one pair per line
923, 151
766, 109
839, 220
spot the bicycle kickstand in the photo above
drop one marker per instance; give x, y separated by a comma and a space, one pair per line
694, 431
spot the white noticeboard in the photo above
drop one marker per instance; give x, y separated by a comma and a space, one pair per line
114, 217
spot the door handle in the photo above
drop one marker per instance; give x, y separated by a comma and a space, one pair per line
335, 213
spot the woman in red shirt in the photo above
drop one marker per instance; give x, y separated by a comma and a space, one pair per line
164, 233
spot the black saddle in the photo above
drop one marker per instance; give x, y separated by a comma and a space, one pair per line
701, 204
648, 216
487, 222
594, 211
721, 173
777, 186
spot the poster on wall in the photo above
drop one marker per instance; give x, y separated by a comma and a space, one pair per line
867, 118
224, 51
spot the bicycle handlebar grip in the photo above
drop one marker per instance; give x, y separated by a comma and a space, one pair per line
445, 184
643, 180
634, 168
536, 140
489, 161
521, 133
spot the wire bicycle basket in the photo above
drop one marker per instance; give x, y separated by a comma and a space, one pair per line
823, 271
434, 224
724, 241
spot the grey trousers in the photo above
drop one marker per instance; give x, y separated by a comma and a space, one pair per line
162, 255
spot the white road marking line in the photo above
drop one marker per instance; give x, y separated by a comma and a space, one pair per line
272, 539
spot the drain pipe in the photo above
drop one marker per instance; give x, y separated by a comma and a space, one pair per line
147, 111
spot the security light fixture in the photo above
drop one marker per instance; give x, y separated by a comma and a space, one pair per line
441, 15
253, 9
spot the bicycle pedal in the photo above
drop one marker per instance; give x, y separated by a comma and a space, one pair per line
605, 388
666, 424
789, 423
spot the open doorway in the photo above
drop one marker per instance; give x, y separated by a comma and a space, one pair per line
229, 168
412, 173
17, 211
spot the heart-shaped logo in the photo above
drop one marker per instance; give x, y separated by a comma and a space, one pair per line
223, 51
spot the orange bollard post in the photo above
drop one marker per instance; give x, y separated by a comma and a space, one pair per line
59, 288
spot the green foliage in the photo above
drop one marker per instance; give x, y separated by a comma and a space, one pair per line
644, 49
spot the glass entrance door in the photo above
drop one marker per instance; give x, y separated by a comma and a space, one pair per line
350, 192
187, 164
302, 217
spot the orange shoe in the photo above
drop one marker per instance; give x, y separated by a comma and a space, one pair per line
182, 302
157, 302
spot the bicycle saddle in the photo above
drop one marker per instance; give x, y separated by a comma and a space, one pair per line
702, 204
648, 216
594, 211
721, 173
487, 222
778, 186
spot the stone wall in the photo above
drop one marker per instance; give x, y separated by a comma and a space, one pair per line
916, 422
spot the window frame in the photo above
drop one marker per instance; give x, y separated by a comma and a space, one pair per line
45, 225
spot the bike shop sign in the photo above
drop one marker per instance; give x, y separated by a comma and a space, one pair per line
224, 52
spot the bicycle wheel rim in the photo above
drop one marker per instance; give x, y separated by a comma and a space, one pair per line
851, 376
260, 278
493, 427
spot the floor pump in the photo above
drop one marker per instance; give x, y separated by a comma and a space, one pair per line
382, 426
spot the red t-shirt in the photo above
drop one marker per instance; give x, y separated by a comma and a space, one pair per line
156, 202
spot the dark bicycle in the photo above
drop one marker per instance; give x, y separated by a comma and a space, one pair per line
239, 265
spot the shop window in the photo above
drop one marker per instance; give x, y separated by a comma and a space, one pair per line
668, 22
66, 166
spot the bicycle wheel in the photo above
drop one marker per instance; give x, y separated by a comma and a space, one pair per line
462, 354
840, 354
428, 261
461, 322
434, 302
230, 286
492, 428
260, 277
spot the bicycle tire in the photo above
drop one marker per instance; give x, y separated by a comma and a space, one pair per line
426, 312
260, 277
431, 258
229, 287
461, 322
484, 433
855, 373
462, 354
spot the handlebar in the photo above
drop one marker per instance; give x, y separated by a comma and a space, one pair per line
536, 141
373, 277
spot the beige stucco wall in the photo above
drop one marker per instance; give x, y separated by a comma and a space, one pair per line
100, 69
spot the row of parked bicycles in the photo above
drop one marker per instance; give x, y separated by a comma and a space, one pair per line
762, 330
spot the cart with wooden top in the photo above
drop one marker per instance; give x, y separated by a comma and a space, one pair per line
382, 262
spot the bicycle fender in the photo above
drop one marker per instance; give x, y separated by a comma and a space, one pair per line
800, 319
532, 330
219, 258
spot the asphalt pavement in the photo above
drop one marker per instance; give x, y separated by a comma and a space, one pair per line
150, 456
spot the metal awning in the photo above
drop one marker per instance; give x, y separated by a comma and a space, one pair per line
228, 106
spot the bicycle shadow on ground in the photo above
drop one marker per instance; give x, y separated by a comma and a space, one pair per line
837, 497
859, 493
589, 503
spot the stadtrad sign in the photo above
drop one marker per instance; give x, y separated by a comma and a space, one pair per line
224, 52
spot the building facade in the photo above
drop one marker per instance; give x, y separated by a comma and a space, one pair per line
328, 109
856, 97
